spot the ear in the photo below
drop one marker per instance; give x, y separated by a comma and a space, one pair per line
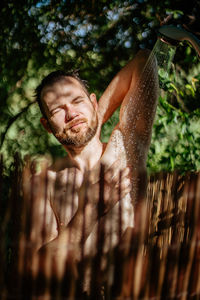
93, 99
45, 124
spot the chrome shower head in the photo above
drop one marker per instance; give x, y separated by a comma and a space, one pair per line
164, 37
173, 35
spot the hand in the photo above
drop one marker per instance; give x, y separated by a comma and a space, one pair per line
104, 187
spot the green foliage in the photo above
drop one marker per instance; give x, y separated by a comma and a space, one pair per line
176, 133
98, 38
175, 139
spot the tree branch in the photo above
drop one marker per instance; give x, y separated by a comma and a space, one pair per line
12, 120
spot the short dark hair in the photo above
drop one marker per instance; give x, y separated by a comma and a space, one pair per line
54, 77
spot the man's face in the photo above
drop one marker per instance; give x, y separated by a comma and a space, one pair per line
71, 113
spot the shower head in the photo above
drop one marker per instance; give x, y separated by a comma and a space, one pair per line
168, 40
164, 36
173, 35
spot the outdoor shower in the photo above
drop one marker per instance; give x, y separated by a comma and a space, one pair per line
173, 35
160, 263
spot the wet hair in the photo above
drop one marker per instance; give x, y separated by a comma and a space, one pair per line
54, 77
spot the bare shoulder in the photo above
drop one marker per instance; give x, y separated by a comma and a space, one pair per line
60, 164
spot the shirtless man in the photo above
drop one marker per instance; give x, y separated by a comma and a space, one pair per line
75, 118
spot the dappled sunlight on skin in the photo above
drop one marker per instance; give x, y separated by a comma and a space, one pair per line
162, 263
56, 256
78, 132
70, 113
131, 139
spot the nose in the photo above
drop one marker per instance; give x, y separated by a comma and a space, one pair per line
70, 113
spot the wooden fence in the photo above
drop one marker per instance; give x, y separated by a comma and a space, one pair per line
162, 264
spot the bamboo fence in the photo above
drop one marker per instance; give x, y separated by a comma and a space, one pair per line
162, 262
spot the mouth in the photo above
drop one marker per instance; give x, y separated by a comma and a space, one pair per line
75, 124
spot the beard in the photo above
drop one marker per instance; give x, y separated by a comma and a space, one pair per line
78, 137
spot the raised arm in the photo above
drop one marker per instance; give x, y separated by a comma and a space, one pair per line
114, 94
135, 88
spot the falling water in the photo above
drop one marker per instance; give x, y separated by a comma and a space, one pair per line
164, 54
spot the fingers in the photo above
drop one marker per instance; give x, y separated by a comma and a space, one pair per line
126, 172
115, 164
118, 184
111, 173
125, 187
113, 176
124, 183
112, 168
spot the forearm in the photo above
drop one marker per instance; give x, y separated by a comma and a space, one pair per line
80, 227
73, 236
66, 248
120, 85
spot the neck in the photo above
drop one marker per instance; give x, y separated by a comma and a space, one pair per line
86, 157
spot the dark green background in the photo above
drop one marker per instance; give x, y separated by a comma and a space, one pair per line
98, 38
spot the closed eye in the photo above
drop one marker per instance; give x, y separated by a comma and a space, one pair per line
56, 110
78, 100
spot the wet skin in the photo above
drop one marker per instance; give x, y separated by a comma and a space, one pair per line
70, 115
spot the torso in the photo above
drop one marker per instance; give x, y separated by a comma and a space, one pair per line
66, 181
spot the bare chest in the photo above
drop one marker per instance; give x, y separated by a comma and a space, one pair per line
64, 194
